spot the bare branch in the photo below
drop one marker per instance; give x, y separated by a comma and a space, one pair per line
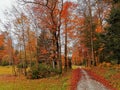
38, 3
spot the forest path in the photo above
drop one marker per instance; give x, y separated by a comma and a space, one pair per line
86, 83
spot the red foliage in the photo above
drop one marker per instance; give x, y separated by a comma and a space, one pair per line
100, 79
76, 75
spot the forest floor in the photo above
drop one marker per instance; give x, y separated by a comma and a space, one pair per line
87, 83
10, 82
83, 79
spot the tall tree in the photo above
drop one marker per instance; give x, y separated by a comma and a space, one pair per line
112, 34
1, 46
22, 25
48, 13
44, 48
66, 22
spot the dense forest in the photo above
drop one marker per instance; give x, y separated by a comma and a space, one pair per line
44, 38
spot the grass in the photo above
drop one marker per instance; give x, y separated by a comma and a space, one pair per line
77, 66
9, 82
5, 70
43, 84
111, 73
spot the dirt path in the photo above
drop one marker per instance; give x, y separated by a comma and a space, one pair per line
86, 83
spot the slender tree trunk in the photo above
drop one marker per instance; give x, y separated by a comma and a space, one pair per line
37, 53
54, 49
91, 33
20, 69
25, 58
13, 62
66, 46
59, 38
30, 56
60, 59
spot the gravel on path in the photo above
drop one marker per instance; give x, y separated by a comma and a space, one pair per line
86, 83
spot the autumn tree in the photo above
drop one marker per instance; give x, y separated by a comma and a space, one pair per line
1, 46
67, 27
31, 46
22, 25
91, 24
44, 48
49, 15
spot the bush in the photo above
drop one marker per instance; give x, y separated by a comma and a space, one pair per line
32, 63
21, 65
42, 71
55, 71
4, 63
33, 73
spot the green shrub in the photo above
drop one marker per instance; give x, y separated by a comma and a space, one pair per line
33, 73
21, 65
42, 71
4, 63
32, 63
55, 71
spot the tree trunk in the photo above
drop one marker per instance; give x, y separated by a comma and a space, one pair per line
91, 33
66, 46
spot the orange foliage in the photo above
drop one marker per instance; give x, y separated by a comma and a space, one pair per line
31, 44
2, 52
76, 76
5, 45
1, 40
77, 56
65, 11
44, 51
99, 29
